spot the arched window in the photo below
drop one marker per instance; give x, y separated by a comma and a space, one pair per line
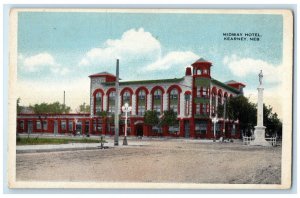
142, 101
157, 101
111, 102
219, 97
225, 97
126, 98
187, 97
98, 102
174, 100
213, 101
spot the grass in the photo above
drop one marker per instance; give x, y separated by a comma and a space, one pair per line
37, 140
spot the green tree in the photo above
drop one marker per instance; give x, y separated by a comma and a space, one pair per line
272, 122
83, 108
55, 108
246, 112
169, 118
19, 108
151, 118
239, 108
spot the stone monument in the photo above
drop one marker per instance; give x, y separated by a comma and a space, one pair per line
259, 132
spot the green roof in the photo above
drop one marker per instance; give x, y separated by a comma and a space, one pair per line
225, 86
172, 80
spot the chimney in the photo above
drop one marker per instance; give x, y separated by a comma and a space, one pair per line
188, 71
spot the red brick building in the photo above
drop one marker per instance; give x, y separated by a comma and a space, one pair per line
194, 97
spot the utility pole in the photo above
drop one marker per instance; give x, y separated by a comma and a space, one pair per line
64, 97
224, 116
116, 143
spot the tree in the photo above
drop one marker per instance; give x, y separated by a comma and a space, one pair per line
83, 108
169, 118
239, 108
151, 118
55, 108
19, 108
272, 122
246, 112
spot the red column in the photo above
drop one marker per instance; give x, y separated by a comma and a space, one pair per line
165, 130
192, 128
104, 120
91, 126
146, 130
181, 128
83, 126
67, 127
132, 128
209, 130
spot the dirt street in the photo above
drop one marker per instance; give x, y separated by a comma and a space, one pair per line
160, 161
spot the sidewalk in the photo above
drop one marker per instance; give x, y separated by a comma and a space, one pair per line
73, 147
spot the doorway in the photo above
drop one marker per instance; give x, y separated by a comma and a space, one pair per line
55, 127
139, 130
29, 128
187, 129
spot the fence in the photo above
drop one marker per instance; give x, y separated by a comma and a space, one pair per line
271, 140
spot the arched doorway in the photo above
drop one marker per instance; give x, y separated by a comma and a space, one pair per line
139, 128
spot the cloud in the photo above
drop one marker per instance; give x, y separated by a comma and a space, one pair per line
243, 67
39, 62
133, 45
248, 67
173, 59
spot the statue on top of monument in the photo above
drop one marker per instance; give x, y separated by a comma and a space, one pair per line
260, 75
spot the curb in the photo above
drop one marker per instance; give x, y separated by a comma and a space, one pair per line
58, 150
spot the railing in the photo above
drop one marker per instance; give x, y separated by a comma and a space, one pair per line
247, 139
271, 140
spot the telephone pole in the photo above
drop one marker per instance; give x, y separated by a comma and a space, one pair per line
116, 143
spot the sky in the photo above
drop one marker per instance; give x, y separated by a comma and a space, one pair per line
57, 51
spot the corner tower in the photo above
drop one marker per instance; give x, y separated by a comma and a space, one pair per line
201, 97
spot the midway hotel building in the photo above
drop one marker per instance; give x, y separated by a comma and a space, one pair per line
194, 97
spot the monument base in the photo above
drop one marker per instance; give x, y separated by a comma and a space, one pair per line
259, 137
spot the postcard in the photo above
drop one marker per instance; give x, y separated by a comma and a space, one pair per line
150, 98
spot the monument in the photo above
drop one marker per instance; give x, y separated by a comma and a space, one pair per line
259, 132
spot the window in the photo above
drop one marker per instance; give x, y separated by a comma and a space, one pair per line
174, 100
198, 92
174, 129
157, 95
38, 124
70, 125
204, 109
63, 124
157, 101
111, 102
97, 125
22, 124
141, 103
219, 98
213, 102
201, 127
141, 110
126, 97
45, 125
233, 130
98, 103
142, 95
187, 104
197, 108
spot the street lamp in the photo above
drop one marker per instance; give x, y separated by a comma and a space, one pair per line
126, 108
215, 120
